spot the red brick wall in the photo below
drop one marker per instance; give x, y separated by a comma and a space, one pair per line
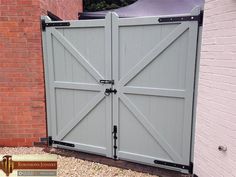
22, 94
65, 9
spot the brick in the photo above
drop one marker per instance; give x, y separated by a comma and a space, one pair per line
22, 94
216, 113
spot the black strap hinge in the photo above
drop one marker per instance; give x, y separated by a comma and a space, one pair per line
51, 142
170, 164
198, 18
53, 24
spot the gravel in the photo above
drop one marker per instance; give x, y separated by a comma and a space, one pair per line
74, 167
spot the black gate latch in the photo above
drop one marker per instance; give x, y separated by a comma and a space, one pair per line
115, 141
107, 82
109, 91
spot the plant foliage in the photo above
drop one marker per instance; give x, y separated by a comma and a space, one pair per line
98, 5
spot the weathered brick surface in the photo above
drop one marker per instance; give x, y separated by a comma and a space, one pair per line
216, 109
22, 94
65, 9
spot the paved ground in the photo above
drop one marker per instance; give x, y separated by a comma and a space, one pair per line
77, 164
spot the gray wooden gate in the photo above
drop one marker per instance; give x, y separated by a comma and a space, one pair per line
152, 65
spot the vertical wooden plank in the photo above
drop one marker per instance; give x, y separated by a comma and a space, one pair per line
115, 71
46, 74
190, 71
51, 79
195, 90
108, 75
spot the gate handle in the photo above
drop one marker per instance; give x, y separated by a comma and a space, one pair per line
109, 91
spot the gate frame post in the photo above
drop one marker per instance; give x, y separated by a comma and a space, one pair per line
46, 75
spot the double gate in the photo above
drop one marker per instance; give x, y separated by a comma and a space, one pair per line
122, 88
